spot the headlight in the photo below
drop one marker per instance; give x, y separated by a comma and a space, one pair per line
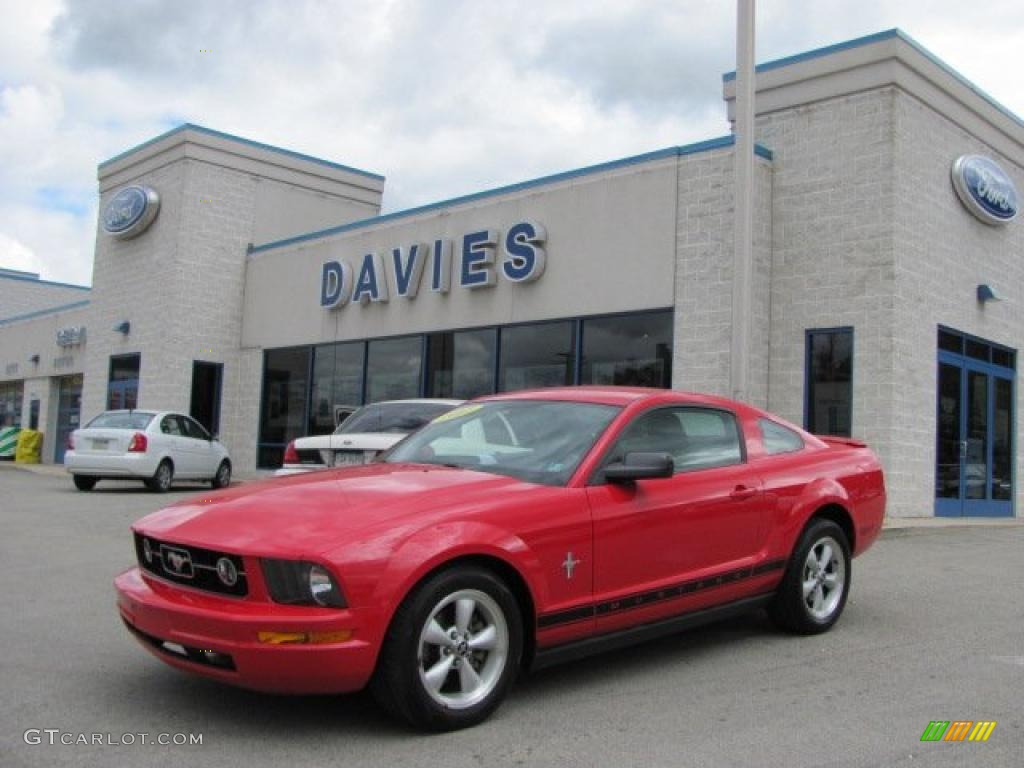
297, 582
320, 585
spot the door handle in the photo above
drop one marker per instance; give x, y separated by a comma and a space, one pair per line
742, 492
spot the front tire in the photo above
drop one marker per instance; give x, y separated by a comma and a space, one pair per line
223, 477
452, 651
813, 592
84, 483
162, 478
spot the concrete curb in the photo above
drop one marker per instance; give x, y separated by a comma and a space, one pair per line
910, 526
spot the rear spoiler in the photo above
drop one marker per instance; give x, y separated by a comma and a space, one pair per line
848, 442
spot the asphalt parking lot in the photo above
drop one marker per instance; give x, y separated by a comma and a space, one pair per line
934, 630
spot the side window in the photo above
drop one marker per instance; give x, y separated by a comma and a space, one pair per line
169, 426
193, 429
696, 438
779, 439
712, 439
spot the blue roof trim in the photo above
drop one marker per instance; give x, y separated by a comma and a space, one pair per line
37, 281
240, 140
688, 149
819, 52
875, 38
42, 312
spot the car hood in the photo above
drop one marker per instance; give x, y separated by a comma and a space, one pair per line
307, 515
354, 441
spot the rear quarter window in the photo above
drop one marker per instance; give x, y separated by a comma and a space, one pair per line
779, 439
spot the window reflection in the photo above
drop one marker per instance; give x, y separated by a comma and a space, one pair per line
337, 382
628, 350
537, 355
830, 382
461, 364
393, 368
285, 387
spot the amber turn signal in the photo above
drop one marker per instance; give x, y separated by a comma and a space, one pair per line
311, 638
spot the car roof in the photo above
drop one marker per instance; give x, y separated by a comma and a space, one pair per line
609, 395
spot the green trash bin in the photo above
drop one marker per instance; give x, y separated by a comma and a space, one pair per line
8, 441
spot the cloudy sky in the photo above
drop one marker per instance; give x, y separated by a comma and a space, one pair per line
444, 97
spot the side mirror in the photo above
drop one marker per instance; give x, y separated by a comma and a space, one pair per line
640, 466
214, 438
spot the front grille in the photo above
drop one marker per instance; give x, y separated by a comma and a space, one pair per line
191, 566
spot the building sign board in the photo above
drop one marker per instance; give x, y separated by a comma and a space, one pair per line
129, 212
985, 189
71, 336
473, 261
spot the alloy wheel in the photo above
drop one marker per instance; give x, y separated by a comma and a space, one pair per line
463, 649
823, 578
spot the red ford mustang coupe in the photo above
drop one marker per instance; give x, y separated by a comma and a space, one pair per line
512, 532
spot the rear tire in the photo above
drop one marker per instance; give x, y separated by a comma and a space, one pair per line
451, 652
813, 592
162, 478
84, 482
223, 477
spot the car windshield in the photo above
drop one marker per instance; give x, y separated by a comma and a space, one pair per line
539, 441
400, 418
121, 420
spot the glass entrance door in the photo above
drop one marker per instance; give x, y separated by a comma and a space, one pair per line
69, 412
974, 449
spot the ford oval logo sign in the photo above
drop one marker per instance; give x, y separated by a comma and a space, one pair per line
130, 211
985, 189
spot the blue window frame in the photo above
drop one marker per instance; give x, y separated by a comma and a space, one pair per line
975, 426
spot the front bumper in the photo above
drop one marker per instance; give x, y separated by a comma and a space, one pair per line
218, 638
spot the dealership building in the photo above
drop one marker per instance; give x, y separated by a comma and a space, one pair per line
258, 288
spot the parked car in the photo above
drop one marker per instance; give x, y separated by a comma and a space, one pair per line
362, 435
515, 531
156, 447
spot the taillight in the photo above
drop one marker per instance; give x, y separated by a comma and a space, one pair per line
138, 443
69, 444
291, 456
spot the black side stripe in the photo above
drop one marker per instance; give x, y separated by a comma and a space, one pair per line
640, 599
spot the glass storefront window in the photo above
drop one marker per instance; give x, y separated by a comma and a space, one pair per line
461, 364
537, 355
829, 391
337, 381
11, 394
394, 368
285, 388
628, 350
303, 387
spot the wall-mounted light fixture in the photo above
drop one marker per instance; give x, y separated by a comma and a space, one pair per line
987, 293
124, 327
34, 359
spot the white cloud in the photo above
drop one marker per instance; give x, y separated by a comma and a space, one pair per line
15, 255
